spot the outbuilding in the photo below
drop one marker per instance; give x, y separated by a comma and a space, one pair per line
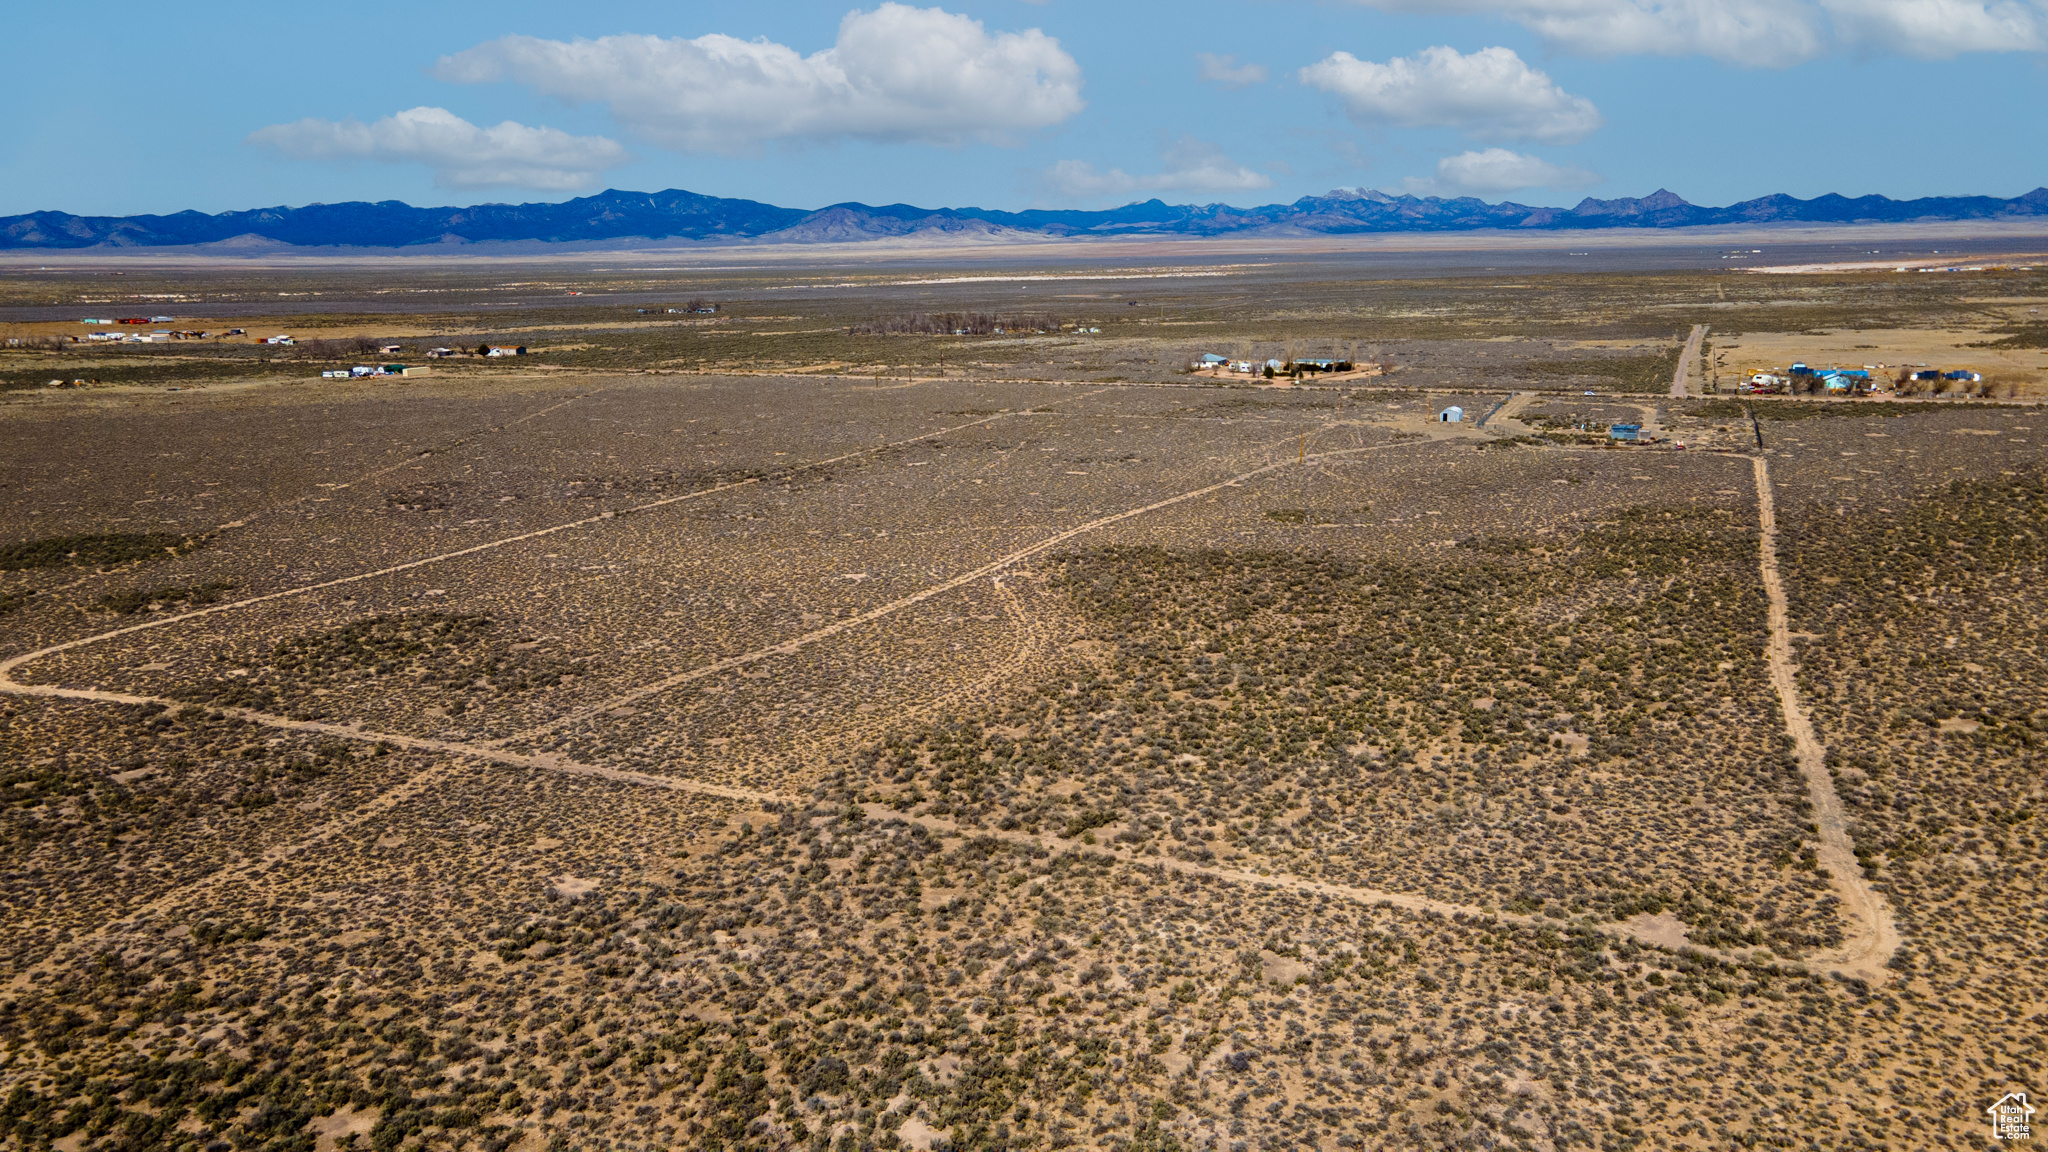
1451, 415
1627, 433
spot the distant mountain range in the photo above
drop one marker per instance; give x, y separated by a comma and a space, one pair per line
614, 216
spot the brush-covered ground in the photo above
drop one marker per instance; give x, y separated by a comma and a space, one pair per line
510, 961
1523, 725
1079, 853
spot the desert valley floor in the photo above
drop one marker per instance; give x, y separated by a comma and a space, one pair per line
595, 758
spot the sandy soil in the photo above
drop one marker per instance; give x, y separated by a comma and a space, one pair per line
330, 1130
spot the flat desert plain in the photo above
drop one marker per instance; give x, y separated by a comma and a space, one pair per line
773, 732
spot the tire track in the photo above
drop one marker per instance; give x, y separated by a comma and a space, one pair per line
362, 478
419, 783
1029, 651
797, 643
1862, 957
8, 666
1874, 937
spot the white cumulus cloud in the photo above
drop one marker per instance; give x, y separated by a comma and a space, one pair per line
1489, 95
1938, 29
895, 74
1496, 171
462, 155
1226, 72
1189, 165
1762, 33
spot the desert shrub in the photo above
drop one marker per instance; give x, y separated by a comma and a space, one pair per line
94, 551
1650, 372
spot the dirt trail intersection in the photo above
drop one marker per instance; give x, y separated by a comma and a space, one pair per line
1872, 937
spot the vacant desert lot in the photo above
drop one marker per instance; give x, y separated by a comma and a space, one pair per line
665, 747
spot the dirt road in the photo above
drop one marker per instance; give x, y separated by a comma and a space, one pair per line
1000, 564
1873, 938
1685, 360
7, 666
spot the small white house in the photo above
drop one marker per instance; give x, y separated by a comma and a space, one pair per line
1452, 415
519, 350
335, 374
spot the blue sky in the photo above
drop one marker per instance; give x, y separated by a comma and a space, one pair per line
1006, 104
